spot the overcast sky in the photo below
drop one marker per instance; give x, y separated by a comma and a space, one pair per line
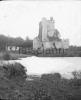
22, 18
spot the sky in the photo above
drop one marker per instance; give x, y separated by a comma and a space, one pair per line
21, 18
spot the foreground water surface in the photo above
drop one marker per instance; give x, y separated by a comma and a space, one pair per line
43, 65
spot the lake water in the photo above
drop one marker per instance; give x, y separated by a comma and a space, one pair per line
43, 65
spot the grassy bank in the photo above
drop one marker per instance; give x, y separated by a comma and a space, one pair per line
71, 52
11, 56
17, 56
15, 86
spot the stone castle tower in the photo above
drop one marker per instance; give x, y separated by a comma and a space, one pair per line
48, 36
46, 28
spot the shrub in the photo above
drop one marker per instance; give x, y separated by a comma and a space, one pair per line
15, 70
42, 94
54, 76
6, 56
76, 74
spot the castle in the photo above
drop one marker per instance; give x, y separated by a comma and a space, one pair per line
49, 37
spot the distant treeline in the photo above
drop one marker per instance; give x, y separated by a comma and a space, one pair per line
10, 41
6, 41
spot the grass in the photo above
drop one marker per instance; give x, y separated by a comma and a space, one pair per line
17, 56
47, 87
51, 53
11, 56
12, 77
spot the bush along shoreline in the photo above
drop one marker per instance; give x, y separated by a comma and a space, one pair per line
15, 86
11, 56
